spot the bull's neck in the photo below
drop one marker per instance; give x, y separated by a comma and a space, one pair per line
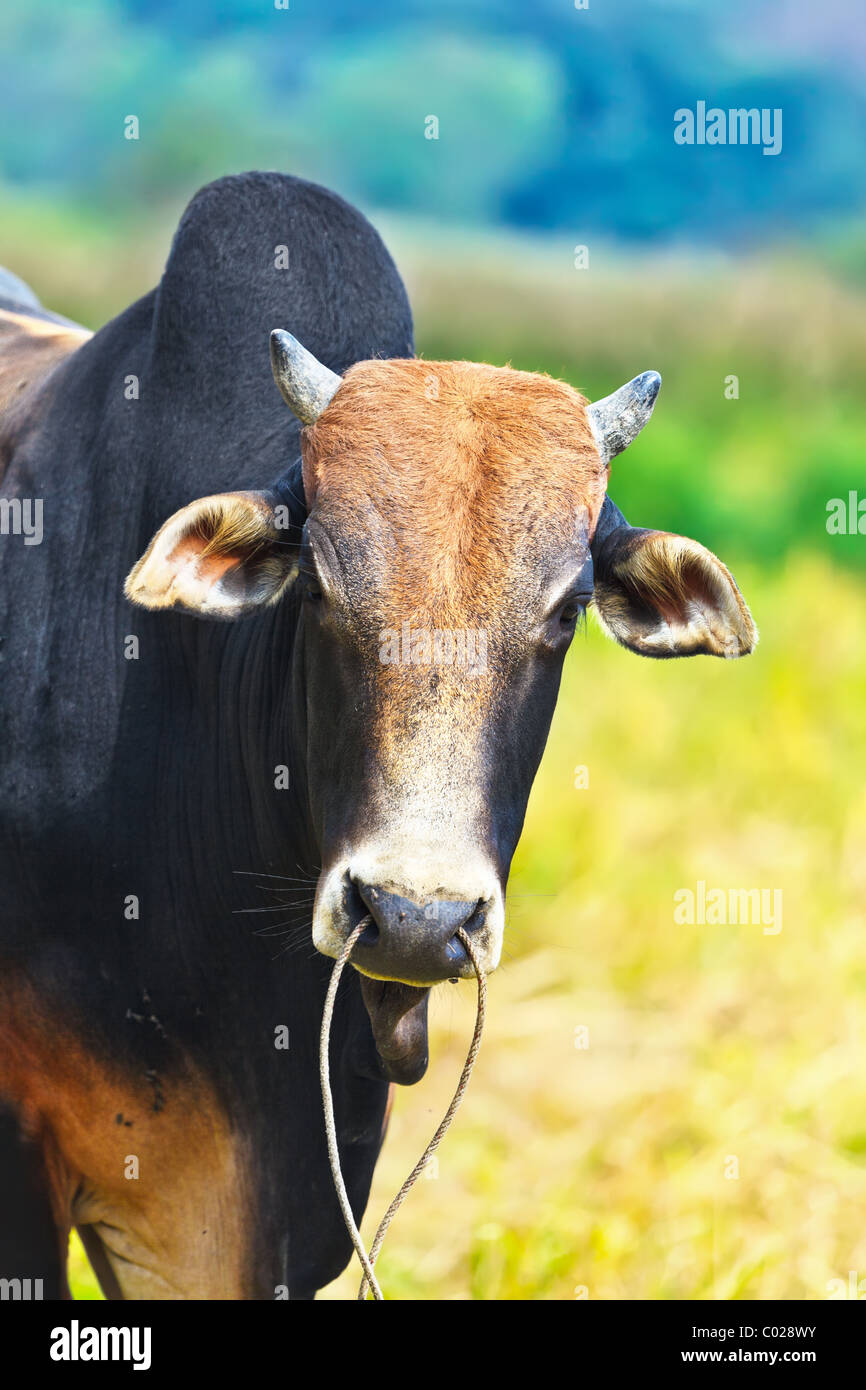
247, 722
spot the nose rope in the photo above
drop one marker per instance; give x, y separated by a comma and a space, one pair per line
369, 1280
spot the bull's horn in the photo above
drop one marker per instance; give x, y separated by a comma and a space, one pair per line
618, 419
305, 384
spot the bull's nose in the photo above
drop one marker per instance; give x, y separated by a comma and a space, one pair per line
415, 942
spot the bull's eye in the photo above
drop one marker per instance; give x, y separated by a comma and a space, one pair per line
562, 621
573, 609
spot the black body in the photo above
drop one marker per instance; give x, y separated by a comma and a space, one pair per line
155, 777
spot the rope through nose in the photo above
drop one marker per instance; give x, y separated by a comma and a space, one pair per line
369, 1281
328, 1102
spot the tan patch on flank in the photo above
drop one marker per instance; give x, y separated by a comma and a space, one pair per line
178, 1231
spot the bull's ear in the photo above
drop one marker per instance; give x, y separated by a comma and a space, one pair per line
219, 557
662, 595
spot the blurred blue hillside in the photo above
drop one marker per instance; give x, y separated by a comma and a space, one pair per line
550, 117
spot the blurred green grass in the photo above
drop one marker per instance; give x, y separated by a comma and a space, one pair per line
604, 1168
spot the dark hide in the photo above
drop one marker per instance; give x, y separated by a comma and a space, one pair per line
155, 777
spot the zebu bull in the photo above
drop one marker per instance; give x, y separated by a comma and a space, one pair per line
162, 774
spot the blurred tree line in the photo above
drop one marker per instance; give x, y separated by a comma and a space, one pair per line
550, 117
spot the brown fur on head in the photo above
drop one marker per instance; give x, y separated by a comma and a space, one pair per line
474, 470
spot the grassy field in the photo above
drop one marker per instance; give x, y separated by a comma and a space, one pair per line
659, 1110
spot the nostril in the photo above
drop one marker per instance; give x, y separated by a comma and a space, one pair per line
455, 950
356, 908
370, 935
475, 920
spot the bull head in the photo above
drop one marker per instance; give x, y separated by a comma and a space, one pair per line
676, 571
443, 501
